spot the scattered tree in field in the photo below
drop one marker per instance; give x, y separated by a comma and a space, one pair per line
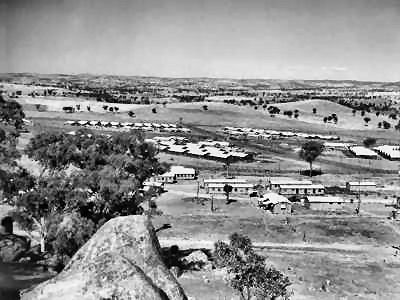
227, 189
111, 109
377, 113
380, 125
131, 114
362, 113
386, 125
288, 113
88, 108
314, 110
310, 151
116, 108
325, 119
273, 110
369, 142
366, 120
105, 107
296, 115
335, 118
154, 110
205, 107
248, 273
354, 112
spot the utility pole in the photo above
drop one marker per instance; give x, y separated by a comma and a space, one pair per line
198, 188
212, 203
359, 194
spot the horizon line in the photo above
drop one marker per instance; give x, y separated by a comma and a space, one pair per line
197, 77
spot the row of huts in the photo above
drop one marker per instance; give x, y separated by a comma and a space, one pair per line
265, 134
146, 126
390, 152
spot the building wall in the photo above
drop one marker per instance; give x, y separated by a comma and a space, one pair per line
302, 191
363, 188
185, 176
277, 209
326, 206
212, 190
163, 179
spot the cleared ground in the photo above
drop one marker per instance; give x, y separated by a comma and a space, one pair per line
353, 253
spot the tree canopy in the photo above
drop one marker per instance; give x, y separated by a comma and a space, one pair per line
248, 273
11, 121
310, 151
369, 142
106, 182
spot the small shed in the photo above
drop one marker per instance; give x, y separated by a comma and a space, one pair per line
276, 203
324, 202
363, 152
360, 186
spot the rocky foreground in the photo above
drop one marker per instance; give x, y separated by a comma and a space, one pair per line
121, 261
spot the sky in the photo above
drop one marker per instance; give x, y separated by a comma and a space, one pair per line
281, 39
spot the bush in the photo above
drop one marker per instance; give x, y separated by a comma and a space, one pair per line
248, 272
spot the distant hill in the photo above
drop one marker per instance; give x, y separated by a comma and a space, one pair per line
107, 80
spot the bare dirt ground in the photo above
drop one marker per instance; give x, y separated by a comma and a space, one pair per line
353, 253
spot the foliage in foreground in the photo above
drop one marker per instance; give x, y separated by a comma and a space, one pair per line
67, 206
248, 273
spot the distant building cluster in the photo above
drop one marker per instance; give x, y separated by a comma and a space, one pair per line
95, 124
214, 150
264, 134
389, 152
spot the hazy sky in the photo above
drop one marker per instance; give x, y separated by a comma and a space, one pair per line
287, 39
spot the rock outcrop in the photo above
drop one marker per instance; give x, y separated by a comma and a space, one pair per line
197, 260
121, 261
12, 247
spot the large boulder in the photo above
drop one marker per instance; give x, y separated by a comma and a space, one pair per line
121, 261
196, 260
12, 247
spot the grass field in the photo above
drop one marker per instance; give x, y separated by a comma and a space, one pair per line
219, 115
326, 108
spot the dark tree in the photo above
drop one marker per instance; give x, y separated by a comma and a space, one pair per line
310, 151
249, 274
227, 190
314, 110
369, 142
